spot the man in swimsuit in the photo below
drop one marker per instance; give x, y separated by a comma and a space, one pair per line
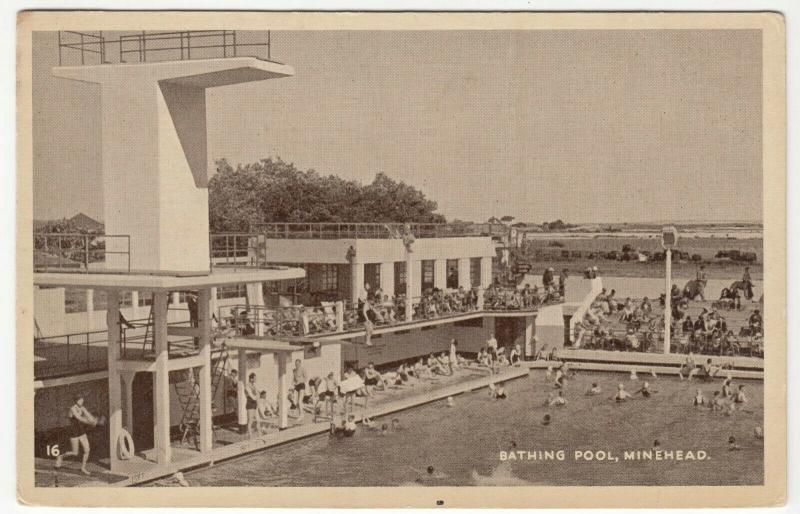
328, 391
251, 404
299, 378
80, 421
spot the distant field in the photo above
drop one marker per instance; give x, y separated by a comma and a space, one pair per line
707, 248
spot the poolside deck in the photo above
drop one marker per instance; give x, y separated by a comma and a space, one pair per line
230, 444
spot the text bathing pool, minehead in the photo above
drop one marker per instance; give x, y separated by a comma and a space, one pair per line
604, 455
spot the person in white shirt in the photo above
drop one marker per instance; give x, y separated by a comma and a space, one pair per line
453, 355
491, 346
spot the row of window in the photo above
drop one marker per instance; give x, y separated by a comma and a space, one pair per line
372, 274
75, 299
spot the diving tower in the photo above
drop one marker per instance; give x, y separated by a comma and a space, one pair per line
154, 149
155, 172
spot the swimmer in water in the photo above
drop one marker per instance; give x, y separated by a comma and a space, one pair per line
500, 392
396, 425
727, 391
645, 390
718, 402
656, 445
732, 446
740, 396
546, 420
559, 400
621, 395
350, 426
699, 399
594, 390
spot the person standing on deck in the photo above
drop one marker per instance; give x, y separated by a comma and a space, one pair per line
251, 404
702, 279
748, 282
299, 378
80, 421
562, 282
491, 346
453, 355
364, 315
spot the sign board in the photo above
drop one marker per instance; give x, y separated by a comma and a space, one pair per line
669, 237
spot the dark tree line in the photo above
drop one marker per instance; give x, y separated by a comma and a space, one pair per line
272, 190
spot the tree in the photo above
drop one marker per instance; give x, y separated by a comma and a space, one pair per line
272, 190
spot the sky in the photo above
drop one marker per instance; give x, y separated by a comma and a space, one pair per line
583, 126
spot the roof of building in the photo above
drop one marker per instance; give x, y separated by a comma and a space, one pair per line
165, 282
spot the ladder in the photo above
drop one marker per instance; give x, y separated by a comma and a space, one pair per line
188, 392
149, 335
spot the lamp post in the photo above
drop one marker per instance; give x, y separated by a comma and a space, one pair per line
669, 238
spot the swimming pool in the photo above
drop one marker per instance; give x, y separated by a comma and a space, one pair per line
463, 443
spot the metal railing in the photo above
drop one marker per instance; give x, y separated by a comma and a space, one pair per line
301, 320
143, 46
77, 252
375, 230
246, 249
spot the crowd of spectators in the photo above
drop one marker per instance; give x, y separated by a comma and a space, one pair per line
632, 325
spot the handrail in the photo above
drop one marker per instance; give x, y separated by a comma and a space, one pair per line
361, 230
75, 252
138, 46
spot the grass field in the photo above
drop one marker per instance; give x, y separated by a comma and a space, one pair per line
464, 443
706, 247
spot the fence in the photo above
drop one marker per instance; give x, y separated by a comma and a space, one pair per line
77, 252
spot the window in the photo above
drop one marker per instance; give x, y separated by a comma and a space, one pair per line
475, 271
237, 291
427, 275
101, 300
452, 274
145, 298
372, 276
74, 300
125, 300
399, 278
329, 277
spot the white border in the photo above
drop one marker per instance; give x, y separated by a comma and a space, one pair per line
790, 8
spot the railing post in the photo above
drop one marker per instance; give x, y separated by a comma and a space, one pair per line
339, 309
86, 252
88, 359
68, 344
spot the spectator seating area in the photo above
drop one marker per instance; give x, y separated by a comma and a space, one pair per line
704, 327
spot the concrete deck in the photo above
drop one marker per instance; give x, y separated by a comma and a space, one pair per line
230, 444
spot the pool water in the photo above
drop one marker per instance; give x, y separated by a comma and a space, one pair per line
464, 442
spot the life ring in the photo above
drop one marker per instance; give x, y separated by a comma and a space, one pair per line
125, 445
